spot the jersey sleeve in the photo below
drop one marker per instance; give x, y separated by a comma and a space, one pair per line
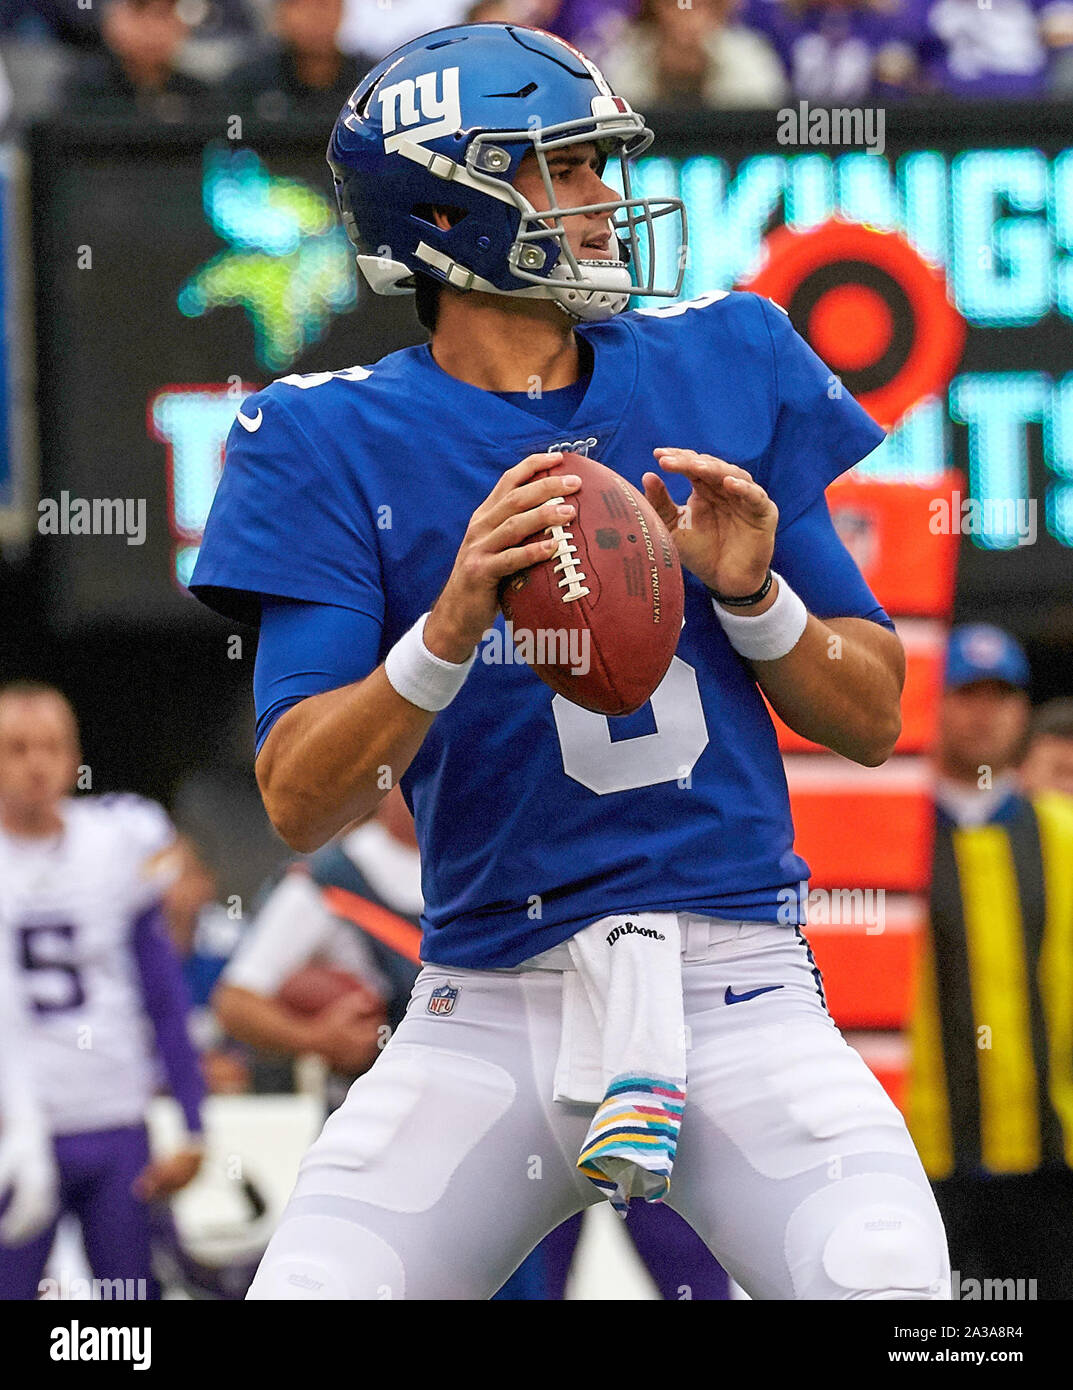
819, 429
812, 559
285, 521
167, 1005
305, 649
290, 929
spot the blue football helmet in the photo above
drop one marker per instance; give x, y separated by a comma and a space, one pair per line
445, 121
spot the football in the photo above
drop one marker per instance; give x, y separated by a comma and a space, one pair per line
310, 990
599, 620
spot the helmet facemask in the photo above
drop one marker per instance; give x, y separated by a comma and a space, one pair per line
586, 288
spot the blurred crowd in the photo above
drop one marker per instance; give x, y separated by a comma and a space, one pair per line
271, 58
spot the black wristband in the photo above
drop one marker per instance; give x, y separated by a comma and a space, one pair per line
749, 599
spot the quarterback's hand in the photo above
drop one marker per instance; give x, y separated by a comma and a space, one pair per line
163, 1176
492, 548
725, 533
28, 1177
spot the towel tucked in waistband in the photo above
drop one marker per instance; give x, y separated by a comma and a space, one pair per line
623, 1050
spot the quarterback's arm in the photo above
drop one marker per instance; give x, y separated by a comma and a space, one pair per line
330, 759
323, 765
840, 686
848, 663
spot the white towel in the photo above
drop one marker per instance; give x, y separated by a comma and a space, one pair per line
623, 1050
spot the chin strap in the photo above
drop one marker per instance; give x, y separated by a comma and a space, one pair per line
587, 305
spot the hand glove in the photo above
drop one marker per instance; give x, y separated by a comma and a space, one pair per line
29, 1178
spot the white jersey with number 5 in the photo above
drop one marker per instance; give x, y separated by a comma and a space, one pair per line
69, 904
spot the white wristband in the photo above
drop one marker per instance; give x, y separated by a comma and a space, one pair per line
771, 634
427, 681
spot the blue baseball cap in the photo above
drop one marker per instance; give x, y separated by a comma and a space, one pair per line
979, 652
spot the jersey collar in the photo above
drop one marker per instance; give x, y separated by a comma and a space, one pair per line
600, 411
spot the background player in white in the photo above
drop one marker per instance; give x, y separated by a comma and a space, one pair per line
101, 991
297, 925
27, 1168
451, 1157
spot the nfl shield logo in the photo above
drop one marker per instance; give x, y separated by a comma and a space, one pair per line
442, 1000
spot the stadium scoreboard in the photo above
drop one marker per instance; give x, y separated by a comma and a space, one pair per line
177, 271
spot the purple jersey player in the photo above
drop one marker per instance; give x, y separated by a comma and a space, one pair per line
835, 51
999, 51
102, 994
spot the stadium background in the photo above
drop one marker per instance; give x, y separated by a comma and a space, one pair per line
153, 275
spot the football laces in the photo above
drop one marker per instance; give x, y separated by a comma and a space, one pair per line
573, 577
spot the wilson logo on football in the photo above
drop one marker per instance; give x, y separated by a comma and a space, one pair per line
414, 100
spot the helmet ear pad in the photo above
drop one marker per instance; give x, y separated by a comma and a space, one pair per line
480, 236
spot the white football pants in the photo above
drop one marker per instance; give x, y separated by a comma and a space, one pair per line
449, 1161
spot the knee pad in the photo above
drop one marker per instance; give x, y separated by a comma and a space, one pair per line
318, 1257
877, 1235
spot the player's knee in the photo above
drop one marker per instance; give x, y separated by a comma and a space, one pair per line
887, 1251
319, 1257
878, 1236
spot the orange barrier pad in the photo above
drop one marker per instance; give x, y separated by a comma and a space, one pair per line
868, 969
895, 532
863, 827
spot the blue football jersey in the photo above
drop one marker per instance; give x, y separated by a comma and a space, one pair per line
534, 816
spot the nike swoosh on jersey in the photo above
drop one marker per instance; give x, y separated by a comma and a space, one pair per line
731, 998
251, 425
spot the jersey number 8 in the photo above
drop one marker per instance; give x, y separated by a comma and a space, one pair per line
668, 755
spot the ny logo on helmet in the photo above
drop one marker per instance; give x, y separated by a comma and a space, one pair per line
414, 100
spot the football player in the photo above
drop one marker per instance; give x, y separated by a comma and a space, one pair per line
101, 991
27, 1168
354, 906
365, 519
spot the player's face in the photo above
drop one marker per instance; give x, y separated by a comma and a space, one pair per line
981, 725
1048, 766
38, 754
309, 26
575, 183
145, 35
